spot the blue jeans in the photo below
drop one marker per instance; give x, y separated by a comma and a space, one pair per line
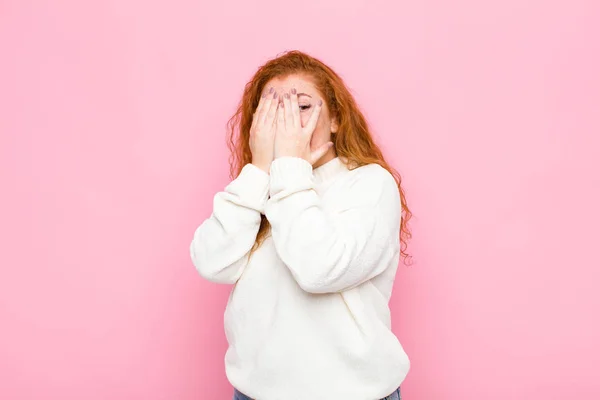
237, 395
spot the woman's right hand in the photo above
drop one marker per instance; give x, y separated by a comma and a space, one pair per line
262, 131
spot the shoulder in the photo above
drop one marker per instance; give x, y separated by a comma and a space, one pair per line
372, 183
373, 175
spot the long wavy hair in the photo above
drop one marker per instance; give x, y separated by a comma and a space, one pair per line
352, 141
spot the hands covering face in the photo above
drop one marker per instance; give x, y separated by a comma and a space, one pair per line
277, 130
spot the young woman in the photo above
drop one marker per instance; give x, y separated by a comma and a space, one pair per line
310, 232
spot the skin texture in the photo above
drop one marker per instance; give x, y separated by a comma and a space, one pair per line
292, 119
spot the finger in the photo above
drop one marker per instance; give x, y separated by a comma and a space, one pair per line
310, 126
289, 118
272, 111
280, 117
260, 104
255, 118
295, 108
320, 152
266, 99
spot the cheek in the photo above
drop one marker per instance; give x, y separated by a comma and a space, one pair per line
304, 117
321, 133
321, 123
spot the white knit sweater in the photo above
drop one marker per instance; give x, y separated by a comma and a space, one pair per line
308, 317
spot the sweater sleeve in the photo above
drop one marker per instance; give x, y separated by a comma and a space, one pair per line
338, 249
221, 244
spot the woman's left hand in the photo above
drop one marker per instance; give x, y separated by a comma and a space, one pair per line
291, 138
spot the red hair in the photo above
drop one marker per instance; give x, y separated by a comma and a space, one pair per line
352, 141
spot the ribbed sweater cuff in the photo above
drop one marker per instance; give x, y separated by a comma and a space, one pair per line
253, 186
290, 174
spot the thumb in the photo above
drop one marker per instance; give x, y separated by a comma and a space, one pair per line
320, 152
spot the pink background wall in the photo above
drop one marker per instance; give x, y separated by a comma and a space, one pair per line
112, 119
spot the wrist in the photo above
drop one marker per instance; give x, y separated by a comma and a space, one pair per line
263, 166
293, 154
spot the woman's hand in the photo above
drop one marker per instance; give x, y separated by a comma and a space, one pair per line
262, 131
293, 140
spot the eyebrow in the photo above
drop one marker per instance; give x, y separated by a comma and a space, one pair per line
304, 94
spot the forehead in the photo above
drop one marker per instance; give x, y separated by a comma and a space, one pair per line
298, 82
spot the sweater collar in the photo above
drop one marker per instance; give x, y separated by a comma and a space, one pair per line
328, 170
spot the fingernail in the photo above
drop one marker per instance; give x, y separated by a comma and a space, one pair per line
271, 90
275, 95
320, 102
287, 95
294, 91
